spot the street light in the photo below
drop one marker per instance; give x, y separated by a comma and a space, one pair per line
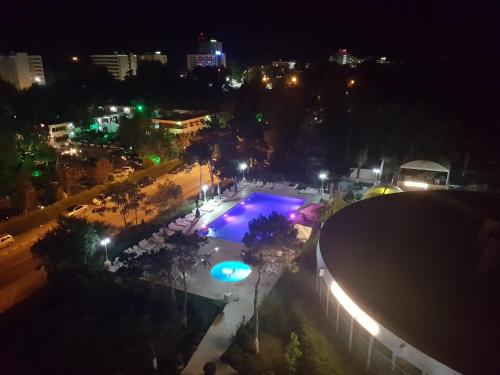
104, 242
204, 188
377, 172
322, 176
243, 166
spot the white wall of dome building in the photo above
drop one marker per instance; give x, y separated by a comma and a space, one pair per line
335, 302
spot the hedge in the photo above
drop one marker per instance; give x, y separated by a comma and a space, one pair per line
36, 218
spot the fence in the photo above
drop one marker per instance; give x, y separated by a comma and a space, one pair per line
377, 358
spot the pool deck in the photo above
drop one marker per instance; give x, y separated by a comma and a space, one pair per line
245, 192
240, 306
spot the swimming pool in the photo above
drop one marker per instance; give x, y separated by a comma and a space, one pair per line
230, 271
233, 225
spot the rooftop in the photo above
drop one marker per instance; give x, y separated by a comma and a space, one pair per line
181, 115
426, 265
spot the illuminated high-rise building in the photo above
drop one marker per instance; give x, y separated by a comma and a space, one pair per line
22, 70
209, 54
119, 65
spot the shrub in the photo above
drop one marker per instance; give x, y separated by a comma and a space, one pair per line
293, 354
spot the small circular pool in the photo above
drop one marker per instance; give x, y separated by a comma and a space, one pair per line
230, 271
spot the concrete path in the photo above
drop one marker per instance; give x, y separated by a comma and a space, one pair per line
218, 337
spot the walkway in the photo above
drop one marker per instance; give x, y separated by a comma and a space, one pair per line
218, 337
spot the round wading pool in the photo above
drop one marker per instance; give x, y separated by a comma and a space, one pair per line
231, 271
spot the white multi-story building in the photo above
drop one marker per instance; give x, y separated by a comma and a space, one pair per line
60, 134
157, 56
22, 70
119, 65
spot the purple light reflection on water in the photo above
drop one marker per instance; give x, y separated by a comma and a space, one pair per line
233, 225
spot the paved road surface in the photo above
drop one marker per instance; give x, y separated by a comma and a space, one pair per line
18, 275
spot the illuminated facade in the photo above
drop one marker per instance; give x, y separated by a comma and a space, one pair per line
119, 65
209, 54
22, 70
157, 56
184, 124
423, 175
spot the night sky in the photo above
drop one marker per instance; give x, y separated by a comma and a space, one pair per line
256, 31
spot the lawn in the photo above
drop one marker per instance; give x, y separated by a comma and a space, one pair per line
102, 327
292, 306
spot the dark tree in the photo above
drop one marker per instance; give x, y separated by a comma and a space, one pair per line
265, 235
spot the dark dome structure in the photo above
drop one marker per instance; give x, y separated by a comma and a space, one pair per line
419, 272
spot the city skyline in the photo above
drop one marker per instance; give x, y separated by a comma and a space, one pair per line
258, 31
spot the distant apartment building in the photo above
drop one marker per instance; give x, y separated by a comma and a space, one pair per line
183, 123
286, 65
119, 65
157, 56
22, 70
209, 54
60, 134
342, 57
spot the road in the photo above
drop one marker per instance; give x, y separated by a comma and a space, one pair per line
18, 274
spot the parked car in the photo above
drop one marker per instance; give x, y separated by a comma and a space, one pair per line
6, 240
176, 170
86, 184
77, 210
101, 199
146, 181
128, 169
117, 176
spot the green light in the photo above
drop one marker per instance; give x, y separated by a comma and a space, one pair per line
106, 136
94, 126
140, 108
259, 117
36, 173
155, 159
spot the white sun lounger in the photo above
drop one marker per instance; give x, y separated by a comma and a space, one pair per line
206, 208
182, 222
173, 226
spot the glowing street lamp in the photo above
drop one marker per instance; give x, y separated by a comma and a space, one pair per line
204, 188
351, 83
104, 242
294, 80
243, 166
322, 176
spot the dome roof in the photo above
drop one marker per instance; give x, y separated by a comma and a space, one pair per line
426, 165
425, 265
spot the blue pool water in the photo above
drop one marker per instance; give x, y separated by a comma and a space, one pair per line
233, 224
231, 271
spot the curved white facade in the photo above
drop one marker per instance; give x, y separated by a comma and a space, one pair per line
378, 347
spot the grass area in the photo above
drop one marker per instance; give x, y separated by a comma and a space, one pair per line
292, 306
23, 223
102, 327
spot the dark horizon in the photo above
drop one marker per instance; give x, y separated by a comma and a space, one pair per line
255, 32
